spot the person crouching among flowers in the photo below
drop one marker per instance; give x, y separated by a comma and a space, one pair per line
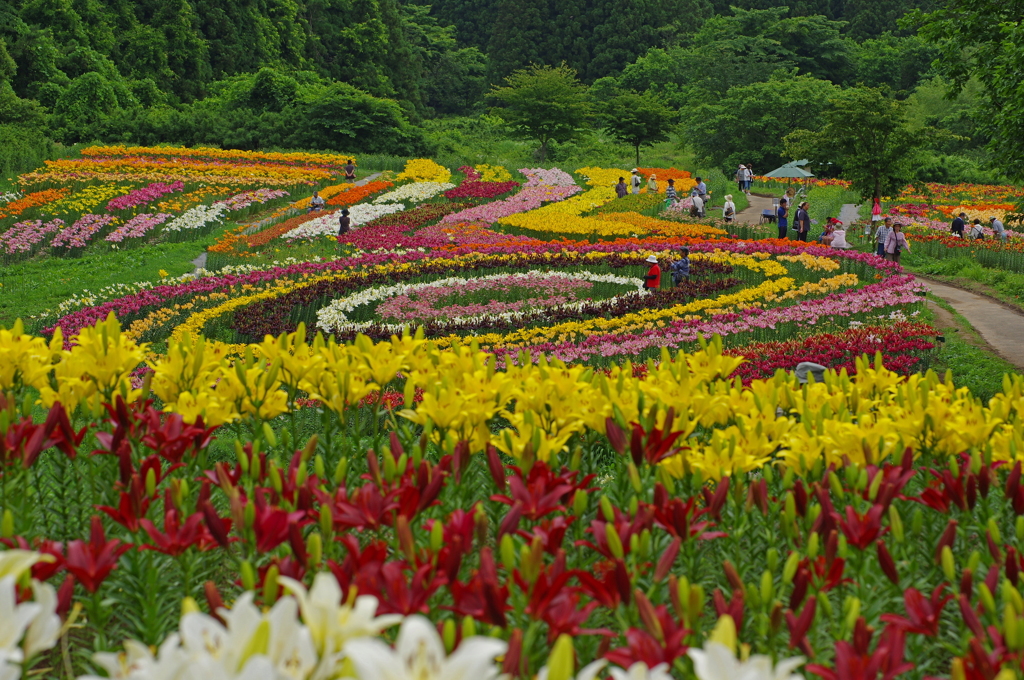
680, 269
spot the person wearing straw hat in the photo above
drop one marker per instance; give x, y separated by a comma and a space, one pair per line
653, 279
634, 181
652, 184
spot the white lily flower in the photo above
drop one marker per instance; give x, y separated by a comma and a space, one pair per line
137, 661
14, 619
44, 631
640, 671
717, 661
332, 622
419, 655
14, 562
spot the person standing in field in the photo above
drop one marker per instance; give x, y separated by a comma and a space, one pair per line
729, 209
895, 244
653, 279
803, 222
344, 223
741, 177
702, 190
958, 225
635, 181
670, 191
881, 235
350, 170
782, 218
621, 189
698, 204
652, 184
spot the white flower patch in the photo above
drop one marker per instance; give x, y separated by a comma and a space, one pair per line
196, 218
328, 224
334, 317
417, 192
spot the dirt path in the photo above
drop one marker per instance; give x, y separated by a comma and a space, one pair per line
752, 214
1001, 327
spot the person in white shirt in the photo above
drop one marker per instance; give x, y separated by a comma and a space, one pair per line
977, 231
998, 228
729, 209
698, 203
634, 181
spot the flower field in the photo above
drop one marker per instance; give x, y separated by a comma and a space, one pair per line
464, 440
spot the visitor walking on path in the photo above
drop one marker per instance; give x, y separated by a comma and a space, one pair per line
958, 225
652, 184
895, 244
653, 279
881, 235
782, 218
876, 211
998, 228
702, 190
741, 177
729, 209
635, 181
621, 189
803, 222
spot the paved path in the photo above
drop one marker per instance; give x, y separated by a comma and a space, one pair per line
848, 215
1000, 326
752, 214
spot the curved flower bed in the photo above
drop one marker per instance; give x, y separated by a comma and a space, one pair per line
146, 194
416, 192
23, 237
81, 232
137, 227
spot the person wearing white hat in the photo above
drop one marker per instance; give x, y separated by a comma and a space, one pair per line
997, 227
634, 181
653, 279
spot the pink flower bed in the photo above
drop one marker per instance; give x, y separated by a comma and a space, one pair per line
422, 304
81, 232
480, 189
553, 177
24, 236
247, 198
142, 196
900, 290
529, 198
137, 226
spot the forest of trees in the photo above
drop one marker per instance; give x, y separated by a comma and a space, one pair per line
364, 75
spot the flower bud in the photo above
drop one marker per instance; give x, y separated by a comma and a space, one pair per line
577, 459
341, 471
948, 565
835, 484
876, 483
917, 522
634, 506
326, 520
896, 523
248, 575
1010, 628
645, 543
862, 480
993, 530
268, 434
1019, 529
767, 587
956, 671
789, 570
468, 627
150, 482
508, 552
436, 536
275, 476
813, 545
987, 600
852, 608
790, 508
561, 663
448, 635
7, 524
787, 479
825, 604
271, 589
768, 472
773, 559
250, 515
614, 542
634, 478
318, 467
579, 502
315, 548
974, 560
189, 606
606, 509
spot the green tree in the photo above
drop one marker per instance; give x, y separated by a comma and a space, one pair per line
638, 119
984, 41
546, 103
748, 124
867, 136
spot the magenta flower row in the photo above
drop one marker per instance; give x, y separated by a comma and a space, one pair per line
142, 196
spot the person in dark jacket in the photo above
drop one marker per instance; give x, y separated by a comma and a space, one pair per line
344, 223
957, 227
680, 269
621, 189
803, 222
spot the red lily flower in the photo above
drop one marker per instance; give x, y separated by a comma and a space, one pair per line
680, 518
733, 607
542, 492
624, 527
660, 641
271, 525
799, 625
176, 537
855, 662
366, 508
653, 446
924, 614
170, 437
41, 571
25, 440
398, 592
370, 558
90, 563
862, 530
894, 479
482, 597
609, 586
551, 533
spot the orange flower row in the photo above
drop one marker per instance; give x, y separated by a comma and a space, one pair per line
330, 159
358, 193
665, 174
33, 200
